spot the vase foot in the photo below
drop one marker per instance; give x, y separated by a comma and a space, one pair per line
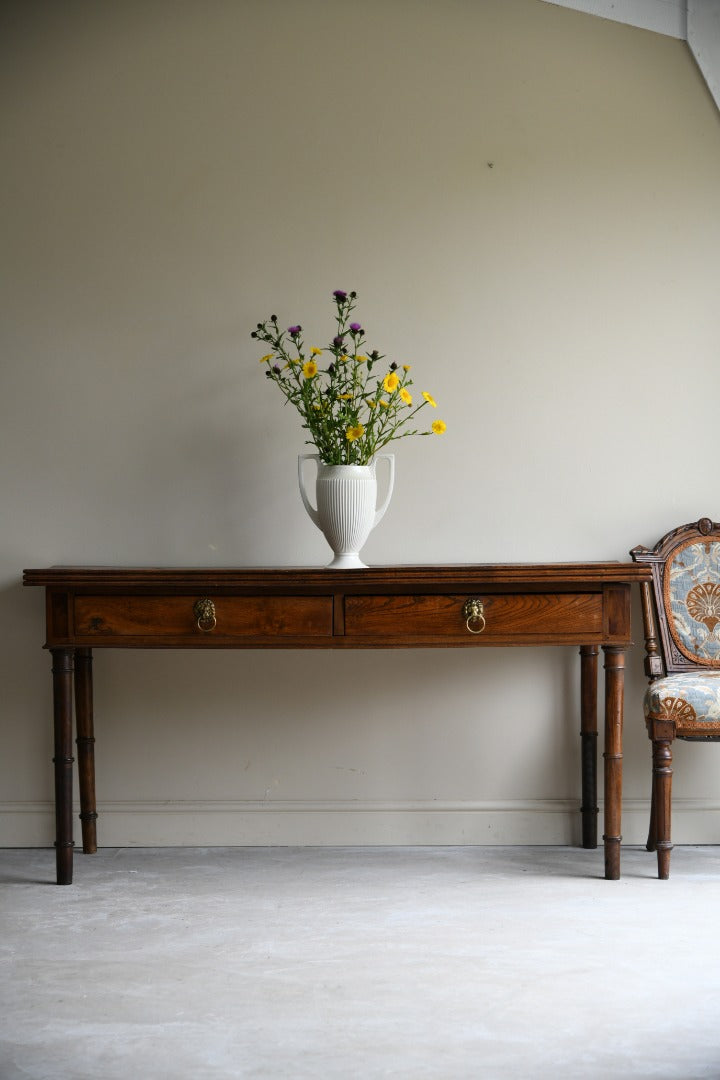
346, 561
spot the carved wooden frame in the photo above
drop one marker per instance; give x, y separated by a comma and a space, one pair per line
670, 660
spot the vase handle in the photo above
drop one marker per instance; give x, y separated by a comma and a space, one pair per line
303, 493
390, 458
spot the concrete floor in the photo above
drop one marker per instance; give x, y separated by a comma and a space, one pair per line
447, 963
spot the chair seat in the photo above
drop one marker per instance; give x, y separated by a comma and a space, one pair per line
691, 702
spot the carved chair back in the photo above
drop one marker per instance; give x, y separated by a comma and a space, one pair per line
683, 602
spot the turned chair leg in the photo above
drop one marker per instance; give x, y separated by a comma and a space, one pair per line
662, 798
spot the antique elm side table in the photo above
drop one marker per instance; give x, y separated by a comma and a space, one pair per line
451, 606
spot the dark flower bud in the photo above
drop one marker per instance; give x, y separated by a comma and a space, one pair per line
254, 334
353, 295
277, 369
260, 326
273, 318
393, 366
337, 341
331, 369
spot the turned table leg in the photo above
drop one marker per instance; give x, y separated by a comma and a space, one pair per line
62, 671
588, 743
614, 693
86, 748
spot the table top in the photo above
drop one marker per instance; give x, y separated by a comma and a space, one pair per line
446, 575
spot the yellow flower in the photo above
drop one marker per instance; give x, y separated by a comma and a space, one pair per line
264, 359
344, 358
315, 351
354, 433
385, 404
439, 426
390, 382
310, 369
406, 367
406, 396
344, 397
372, 404
430, 400
361, 359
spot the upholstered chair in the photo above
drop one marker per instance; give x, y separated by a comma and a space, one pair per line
681, 613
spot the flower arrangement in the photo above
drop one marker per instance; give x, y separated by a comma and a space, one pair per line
349, 412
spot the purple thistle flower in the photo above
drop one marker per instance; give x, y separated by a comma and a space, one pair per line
293, 331
340, 294
356, 327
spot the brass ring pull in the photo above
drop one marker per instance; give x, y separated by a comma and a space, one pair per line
204, 612
474, 618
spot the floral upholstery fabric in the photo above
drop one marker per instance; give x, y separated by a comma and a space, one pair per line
692, 600
686, 699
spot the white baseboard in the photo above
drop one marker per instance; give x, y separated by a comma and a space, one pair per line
320, 823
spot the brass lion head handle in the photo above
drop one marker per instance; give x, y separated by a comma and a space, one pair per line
204, 612
473, 612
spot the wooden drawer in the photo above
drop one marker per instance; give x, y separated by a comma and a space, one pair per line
516, 617
174, 617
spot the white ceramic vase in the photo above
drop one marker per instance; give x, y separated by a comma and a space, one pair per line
346, 512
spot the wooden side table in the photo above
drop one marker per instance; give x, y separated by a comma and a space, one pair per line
450, 606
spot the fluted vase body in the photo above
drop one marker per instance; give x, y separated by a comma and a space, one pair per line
346, 512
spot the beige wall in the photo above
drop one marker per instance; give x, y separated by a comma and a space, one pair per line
527, 201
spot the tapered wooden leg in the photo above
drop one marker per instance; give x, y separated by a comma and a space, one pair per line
62, 671
662, 734
86, 748
588, 743
614, 698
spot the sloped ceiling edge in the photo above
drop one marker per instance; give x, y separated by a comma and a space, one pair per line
694, 21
